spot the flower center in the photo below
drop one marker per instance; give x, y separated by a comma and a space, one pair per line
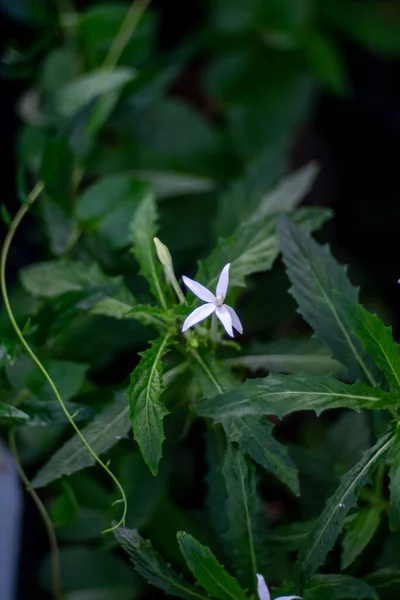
219, 300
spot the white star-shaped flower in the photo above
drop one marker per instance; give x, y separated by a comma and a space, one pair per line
263, 591
215, 304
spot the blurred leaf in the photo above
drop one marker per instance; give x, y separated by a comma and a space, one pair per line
86, 524
288, 193
376, 339
372, 24
253, 247
315, 276
394, 474
57, 69
76, 95
168, 183
216, 488
108, 593
291, 536
147, 412
254, 437
47, 413
9, 414
327, 63
65, 506
247, 523
109, 204
208, 571
337, 587
61, 229
289, 356
329, 524
386, 582
282, 394
359, 531
150, 565
143, 228
56, 169
102, 433
157, 317
68, 377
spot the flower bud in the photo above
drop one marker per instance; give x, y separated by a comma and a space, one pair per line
163, 253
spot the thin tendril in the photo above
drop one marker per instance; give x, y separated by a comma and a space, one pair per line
3, 260
55, 553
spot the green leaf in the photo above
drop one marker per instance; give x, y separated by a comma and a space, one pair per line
106, 429
254, 437
67, 375
65, 506
157, 317
290, 191
289, 356
247, 522
254, 246
282, 394
216, 488
108, 205
377, 340
339, 587
359, 531
9, 414
394, 475
315, 276
322, 536
149, 564
143, 228
77, 94
147, 412
327, 63
208, 571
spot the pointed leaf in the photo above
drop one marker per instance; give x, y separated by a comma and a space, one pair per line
377, 339
208, 571
253, 247
150, 565
339, 587
282, 394
9, 414
106, 429
315, 276
359, 531
394, 475
247, 523
146, 409
324, 533
254, 437
143, 228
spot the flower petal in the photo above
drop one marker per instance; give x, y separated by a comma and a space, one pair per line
223, 281
198, 290
262, 588
199, 314
288, 598
225, 318
235, 319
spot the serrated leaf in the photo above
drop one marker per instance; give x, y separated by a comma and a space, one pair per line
10, 414
207, 570
376, 339
254, 437
324, 533
254, 246
157, 317
80, 92
143, 228
339, 587
147, 412
247, 523
106, 429
394, 475
315, 276
359, 531
283, 394
150, 565
288, 193
289, 356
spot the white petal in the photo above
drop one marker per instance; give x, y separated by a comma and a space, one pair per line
235, 319
199, 314
262, 588
288, 598
199, 290
223, 281
225, 318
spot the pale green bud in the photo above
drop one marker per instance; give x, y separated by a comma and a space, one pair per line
163, 253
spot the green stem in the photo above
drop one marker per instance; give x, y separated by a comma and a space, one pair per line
55, 553
3, 261
170, 275
127, 28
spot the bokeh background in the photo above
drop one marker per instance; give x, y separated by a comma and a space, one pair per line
230, 95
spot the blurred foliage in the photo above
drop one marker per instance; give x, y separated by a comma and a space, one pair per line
125, 153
